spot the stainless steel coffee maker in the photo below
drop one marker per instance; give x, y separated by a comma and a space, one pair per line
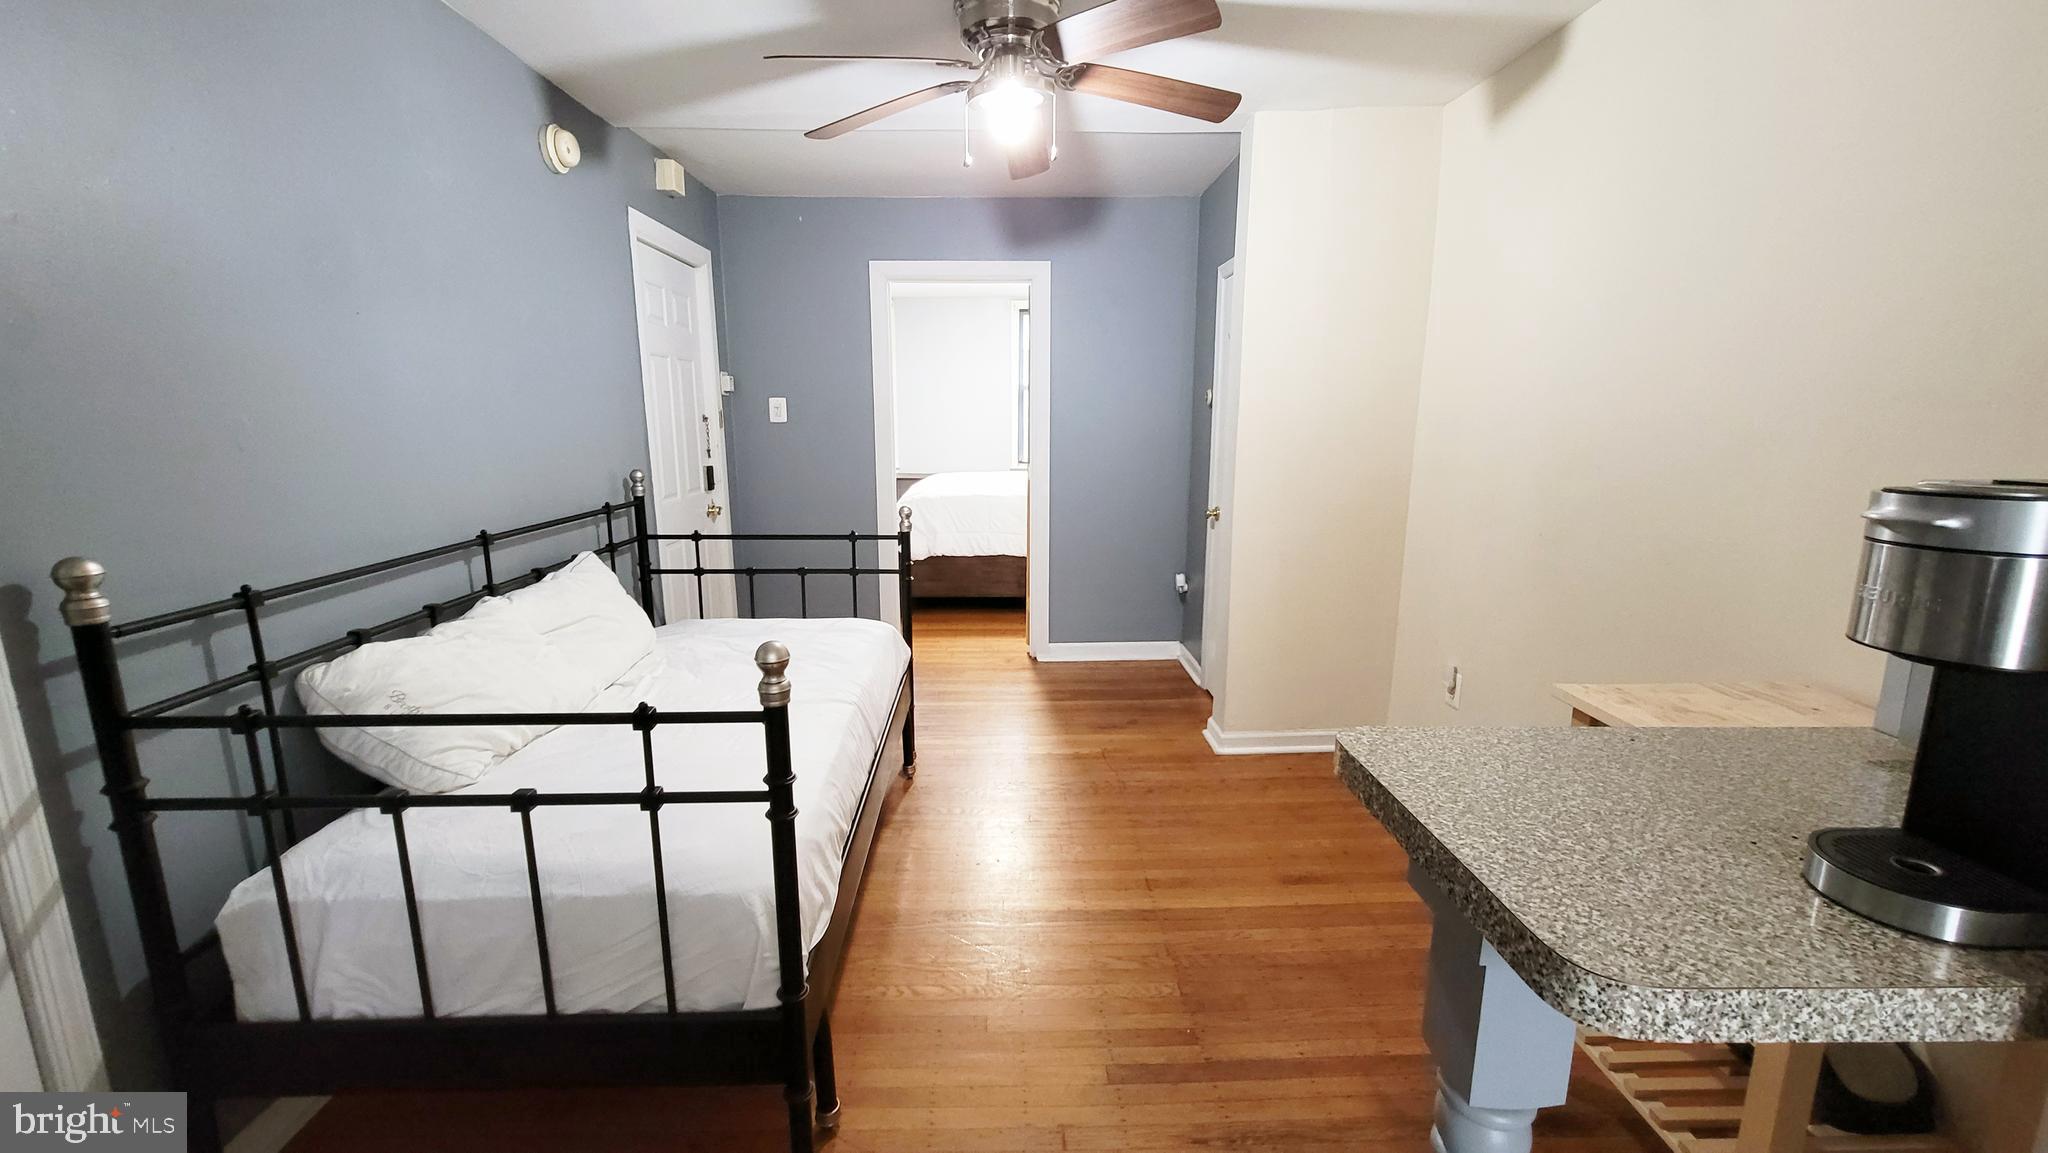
1955, 577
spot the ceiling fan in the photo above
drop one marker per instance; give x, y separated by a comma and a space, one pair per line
1026, 53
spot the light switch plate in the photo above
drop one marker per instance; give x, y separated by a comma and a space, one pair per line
778, 410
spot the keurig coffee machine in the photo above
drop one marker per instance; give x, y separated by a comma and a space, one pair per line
1955, 576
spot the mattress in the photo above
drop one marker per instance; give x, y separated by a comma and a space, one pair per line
968, 514
596, 862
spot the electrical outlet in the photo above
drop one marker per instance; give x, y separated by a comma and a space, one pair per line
778, 410
1454, 686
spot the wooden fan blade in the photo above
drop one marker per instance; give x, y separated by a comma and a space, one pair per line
868, 116
1162, 92
943, 61
1030, 158
1122, 24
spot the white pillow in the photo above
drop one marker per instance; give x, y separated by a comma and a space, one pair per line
489, 661
585, 613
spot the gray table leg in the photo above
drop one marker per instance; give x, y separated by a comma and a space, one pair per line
1501, 1052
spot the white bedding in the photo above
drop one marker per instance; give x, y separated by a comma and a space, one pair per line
469, 865
968, 514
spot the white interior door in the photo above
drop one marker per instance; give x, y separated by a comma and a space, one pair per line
1222, 422
685, 425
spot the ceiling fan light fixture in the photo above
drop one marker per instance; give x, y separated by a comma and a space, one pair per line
1013, 114
1011, 97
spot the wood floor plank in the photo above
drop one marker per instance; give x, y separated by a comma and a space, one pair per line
1081, 930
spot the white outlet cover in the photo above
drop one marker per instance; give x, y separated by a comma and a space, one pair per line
778, 410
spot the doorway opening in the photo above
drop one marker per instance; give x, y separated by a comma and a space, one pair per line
962, 381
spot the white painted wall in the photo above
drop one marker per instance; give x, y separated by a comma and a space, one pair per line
956, 380
1707, 272
1337, 212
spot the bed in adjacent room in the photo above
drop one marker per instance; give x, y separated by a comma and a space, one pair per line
969, 532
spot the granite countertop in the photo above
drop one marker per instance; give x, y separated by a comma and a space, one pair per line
1647, 884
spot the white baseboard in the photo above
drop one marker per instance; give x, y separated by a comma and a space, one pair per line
1109, 651
1193, 666
1269, 740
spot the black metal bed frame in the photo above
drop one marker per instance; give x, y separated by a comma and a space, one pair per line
212, 1054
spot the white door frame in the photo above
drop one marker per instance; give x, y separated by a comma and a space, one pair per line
1214, 656
644, 229
1038, 275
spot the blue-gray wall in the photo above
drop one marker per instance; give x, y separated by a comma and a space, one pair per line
795, 277
283, 287
1218, 243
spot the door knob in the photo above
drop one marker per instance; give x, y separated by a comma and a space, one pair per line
1214, 512
713, 510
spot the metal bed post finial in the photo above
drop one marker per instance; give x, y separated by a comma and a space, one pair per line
903, 518
636, 482
83, 603
772, 658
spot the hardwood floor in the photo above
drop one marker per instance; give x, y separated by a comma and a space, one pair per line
1081, 931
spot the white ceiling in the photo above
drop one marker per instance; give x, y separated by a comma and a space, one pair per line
688, 76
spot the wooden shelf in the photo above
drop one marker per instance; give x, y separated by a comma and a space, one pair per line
1693, 1096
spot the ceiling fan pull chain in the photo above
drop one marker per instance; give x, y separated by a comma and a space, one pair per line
1052, 130
966, 135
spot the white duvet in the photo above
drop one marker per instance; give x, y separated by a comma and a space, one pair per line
968, 514
469, 865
